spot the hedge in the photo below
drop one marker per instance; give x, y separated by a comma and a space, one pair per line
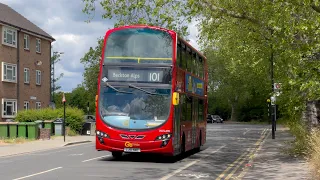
74, 116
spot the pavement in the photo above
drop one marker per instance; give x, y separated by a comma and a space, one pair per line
41, 145
232, 151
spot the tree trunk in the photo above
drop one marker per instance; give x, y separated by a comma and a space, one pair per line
234, 109
311, 115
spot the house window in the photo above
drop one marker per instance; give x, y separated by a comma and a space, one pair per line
38, 105
9, 107
38, 45
9, 36
26, 75
9, 72
38, 77
26, 42
26, 105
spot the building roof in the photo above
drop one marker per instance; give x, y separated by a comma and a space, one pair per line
11, 17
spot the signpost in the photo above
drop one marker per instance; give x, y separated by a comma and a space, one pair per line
64, 117
88, 109
276, 92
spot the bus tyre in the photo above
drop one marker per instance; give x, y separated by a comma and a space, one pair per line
116, 154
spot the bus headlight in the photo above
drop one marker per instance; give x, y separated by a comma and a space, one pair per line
163, 137
101, 135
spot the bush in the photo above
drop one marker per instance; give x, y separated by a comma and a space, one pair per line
74, 116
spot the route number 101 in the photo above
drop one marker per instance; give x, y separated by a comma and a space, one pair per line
154, 77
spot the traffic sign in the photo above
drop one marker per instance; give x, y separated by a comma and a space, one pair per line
63, 98
277, 86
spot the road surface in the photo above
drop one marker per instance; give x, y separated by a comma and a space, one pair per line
228, 148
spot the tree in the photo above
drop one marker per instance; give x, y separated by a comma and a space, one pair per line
163, 13
91, 62
80, 97
160, 13
54, 59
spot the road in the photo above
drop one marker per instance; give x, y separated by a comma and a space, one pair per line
227, 147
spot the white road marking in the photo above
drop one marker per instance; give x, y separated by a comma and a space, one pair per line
246, 132
188, 165
24, 177
76, 154
197, 176
96, 158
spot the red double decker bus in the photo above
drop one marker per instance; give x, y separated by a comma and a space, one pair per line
152, 93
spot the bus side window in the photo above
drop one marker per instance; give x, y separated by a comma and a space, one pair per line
201, 67
189, 108
196, 108
197, 65
179, 54
200, 112
183, 108
194, 61
189, 59
183, 57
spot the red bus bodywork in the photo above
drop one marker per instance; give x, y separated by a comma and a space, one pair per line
116, 139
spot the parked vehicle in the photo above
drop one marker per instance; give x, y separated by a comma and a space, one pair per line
214, 118
217, 118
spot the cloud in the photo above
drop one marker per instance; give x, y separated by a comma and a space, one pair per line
193, 30
65, 21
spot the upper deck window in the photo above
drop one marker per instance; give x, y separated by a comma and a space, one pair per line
139, 45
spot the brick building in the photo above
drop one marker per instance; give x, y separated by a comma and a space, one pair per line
25, 53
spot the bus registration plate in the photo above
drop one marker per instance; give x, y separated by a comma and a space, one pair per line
131, 149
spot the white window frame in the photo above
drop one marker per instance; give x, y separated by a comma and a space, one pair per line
38, 105
38, 75
26, 105
26, 42
26, 73
13, 32
5, 65
14, 106
38, 45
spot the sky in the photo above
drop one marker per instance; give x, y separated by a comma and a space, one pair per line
65, 21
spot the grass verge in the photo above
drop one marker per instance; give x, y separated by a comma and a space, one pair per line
18, 140
314, 155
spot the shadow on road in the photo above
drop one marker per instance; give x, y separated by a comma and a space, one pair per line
152, 158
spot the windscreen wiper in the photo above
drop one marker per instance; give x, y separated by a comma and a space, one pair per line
133, 86
107, 84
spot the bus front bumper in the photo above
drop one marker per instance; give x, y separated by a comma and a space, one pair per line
163, 147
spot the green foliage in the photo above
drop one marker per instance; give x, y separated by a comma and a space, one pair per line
74, 116
163, 13
91, 62
80, 97
300, 145
35, 114
240, 39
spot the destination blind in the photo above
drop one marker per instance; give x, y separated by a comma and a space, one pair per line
138, 75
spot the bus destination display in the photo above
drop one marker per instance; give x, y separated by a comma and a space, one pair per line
136, 75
